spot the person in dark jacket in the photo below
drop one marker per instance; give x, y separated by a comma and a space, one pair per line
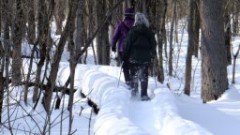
139, 49
119, 36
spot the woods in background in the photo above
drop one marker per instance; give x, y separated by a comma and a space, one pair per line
80, 22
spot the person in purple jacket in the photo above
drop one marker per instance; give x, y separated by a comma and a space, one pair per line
119, 36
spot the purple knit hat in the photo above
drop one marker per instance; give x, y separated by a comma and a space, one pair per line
129, 12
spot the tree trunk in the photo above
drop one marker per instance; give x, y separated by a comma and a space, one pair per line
227, 32
72, 76
59, 14
1, 20
162, 40
73, 51
42, 46
193, 34
196, 27
170, 60
214, 60
91, 29
7, 13
1, 94
80, 36
7, 47
236, 17
69, 28
17, 41
1, 67
103, 46
157, 20
44, 17
140, 6
31, 30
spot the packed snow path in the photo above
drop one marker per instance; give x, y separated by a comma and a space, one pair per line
132, 117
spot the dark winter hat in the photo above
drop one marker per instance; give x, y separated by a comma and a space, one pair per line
129, 12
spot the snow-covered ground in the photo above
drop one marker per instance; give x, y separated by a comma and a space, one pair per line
170, 112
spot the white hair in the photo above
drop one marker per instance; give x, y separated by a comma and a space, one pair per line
140, 18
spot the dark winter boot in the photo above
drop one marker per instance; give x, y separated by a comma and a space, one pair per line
135, 89
144, 82
134, 93
145, 98
144, 95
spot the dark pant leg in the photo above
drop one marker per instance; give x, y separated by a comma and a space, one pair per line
134, 78
126, 71
125, 67
144, 79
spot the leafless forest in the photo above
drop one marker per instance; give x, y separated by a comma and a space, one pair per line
79, 22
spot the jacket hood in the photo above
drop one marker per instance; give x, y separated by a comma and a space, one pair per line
141, 29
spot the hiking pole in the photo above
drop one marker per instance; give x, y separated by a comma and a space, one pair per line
120, 74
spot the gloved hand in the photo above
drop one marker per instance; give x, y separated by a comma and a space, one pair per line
114, 48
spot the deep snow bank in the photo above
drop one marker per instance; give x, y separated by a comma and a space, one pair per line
113, 101
168, 121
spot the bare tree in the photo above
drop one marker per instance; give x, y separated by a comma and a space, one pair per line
140, 6
7, 13
196, 28
19, 30
60, 14
102, 41
236, 12
44, 17
213, 52
80, 29
157, 13
74, 48
69, 28
173, 20
227, 30
1, 66
1, 93
161, 37
193, 36
31, 29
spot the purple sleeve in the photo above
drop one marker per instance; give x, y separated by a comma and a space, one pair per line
116, 35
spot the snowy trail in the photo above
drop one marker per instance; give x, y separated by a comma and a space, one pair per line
185, 104
145, 114
118, 110
165, 114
